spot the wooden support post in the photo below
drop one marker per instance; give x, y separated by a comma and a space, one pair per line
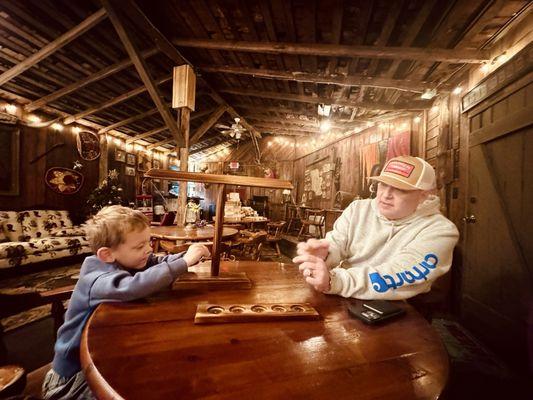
219, 225
184, 115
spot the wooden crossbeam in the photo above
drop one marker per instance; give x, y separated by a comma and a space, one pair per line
103, 73
208, 123
336, 50
128, 121
160, 143
413, 105
166, 47
115, 100
298, 76
53, 46
142, 70
146, 134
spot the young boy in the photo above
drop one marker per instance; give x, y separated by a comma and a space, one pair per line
120, 240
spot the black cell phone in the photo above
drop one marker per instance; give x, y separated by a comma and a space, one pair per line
375, 311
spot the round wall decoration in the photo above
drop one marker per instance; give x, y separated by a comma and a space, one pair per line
63, 180
88, 145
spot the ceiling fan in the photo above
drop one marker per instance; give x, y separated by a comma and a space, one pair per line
236, 130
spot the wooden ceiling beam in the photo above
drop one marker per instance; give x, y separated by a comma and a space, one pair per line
301, 123
128, 121
412, 105
135, 118
298, 76
160, 143
142, 70
115, 100
103, 73
53, 46
146, 134
208, 123
335, 50
136, 14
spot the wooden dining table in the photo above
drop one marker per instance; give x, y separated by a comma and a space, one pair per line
152, 349
179, 234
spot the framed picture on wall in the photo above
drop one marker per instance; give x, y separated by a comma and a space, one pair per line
9, 160
143, 162
130, 171
156, 164
130, 159
120, 155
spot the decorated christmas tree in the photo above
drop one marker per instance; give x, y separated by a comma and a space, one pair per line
107, 193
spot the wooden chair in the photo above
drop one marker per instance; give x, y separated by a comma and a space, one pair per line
167, 219
252, 242
293, 216
274, 232
314, 218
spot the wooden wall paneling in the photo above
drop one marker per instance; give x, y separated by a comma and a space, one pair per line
31, 182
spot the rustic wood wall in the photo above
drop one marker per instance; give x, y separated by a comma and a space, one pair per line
33, 191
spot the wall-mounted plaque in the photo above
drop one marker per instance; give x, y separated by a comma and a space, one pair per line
88, 145
63, 180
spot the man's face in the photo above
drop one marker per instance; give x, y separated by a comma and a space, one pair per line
134, 252
396, 203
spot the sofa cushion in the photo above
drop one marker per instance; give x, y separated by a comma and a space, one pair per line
12, 227
51, 244
74, 231
39, 223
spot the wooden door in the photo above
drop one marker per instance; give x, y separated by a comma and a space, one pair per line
497, 280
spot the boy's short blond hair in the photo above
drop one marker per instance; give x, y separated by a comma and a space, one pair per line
109, 227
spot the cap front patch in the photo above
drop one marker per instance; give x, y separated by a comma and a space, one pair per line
400, 168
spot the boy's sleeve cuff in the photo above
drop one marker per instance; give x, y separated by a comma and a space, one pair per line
177, 267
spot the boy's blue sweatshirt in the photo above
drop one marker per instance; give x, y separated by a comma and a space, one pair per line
101, 282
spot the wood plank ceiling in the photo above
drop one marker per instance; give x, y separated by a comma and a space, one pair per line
271, 63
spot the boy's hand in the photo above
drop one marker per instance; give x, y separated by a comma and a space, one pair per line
313, 247
194, 253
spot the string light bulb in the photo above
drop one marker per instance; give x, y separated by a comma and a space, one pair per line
57, 126
417, 119
34, 118
11, 108
76, 129
457, 90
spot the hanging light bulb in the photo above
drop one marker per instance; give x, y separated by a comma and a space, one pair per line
57, 126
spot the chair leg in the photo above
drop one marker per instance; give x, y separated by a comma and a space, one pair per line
278, 252
301, 231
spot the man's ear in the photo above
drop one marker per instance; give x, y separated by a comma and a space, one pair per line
105, 254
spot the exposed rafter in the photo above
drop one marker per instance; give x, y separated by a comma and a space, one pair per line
298, 76
335, 50
413, 105
208, 123
142, 70
160, 143
53, 46
115, 100
146, 134
103, 73
166, 47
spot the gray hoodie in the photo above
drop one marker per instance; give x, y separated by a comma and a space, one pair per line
100, 282
373, 257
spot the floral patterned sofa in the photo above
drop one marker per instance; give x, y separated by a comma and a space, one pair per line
38, 235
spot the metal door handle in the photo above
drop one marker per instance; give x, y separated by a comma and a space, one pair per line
470, 219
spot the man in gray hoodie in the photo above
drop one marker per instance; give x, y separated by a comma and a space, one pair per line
391, 247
